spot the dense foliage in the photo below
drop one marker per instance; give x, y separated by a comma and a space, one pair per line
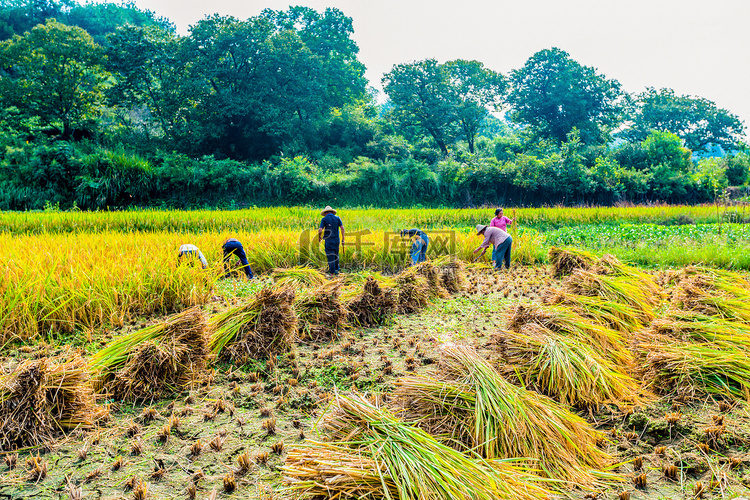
104, 105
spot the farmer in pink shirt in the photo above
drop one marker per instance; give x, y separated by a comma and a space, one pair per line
500, 221
501, 241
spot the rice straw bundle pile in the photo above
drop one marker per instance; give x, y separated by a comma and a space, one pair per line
321, 316
563, 261
410, 464
451, 273
565, 322
618, 316
44, 397
614, 289
695, 369
573, 372
264, 326
299, 277
374, 304
432, 274
697, 295
413, 291
716, 280
154, 361
695, 327
471, 404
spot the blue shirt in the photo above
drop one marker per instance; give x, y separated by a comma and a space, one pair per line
331, 224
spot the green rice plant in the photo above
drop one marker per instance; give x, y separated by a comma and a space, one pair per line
689, 326
469, 403
695, 369
410, 463
564, 321
615, 315
571, 371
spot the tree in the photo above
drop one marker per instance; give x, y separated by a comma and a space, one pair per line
19, 16
554, 94
102, 19
422, 98
697, 121
53, 72
475, 89
151, 70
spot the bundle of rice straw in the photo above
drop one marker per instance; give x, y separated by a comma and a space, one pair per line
432, 274
618, 289
451, 273
697, 295
264, 326
571, 371
374, 305
696, 327
321, 316
566, 322
473, 407
155, 361
299, 277
715, 280
44, 397
621, 317
563, 261
695, 369
383, 457
413, 291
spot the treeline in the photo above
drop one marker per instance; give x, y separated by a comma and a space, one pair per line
103, 105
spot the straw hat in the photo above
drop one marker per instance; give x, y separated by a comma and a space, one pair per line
480, 228
328, 209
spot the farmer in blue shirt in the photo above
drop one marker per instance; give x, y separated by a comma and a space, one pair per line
419, 246
329, 232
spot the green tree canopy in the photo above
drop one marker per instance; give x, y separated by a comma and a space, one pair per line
554, 94
697, 121
54, 72
443, 100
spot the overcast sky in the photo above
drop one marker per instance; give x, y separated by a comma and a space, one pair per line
697, 48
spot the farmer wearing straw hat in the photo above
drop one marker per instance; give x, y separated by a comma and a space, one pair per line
329, 231
501, 241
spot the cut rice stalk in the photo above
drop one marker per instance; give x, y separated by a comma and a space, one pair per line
565, 321
373, 304
693, 369
299, 277
264, 326
411, 464
471, 405
155, 361
573, 372
620, 317
614, 289
320, 313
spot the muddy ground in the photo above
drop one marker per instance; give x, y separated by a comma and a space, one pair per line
251, 414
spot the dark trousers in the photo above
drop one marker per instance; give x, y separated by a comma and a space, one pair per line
235, 248
332, 255
502, 252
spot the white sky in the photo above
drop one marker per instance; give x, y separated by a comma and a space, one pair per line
696, 47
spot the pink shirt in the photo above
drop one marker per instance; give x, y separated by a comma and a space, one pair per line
500, 222
493, 236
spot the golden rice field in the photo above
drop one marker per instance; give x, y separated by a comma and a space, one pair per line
124, 374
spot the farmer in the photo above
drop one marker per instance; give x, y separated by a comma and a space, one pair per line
191, 252
329, 231
500, 221
419, 245
500, 239
233, 247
